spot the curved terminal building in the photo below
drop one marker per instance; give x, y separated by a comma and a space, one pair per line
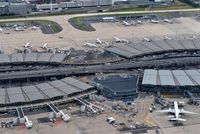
118, 86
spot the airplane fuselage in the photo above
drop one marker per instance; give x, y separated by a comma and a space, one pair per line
176, 110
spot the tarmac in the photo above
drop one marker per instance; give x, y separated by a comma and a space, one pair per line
75, 38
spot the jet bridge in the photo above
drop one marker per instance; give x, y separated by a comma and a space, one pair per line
92, 107
59, 113
23, 119
192, 98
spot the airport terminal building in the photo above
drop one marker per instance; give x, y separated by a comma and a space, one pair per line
174, 81
47, 91
117, 86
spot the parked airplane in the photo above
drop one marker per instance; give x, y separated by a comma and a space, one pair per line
139, 21
34, 28
89, 44
147, 39
168, 21
154, 21
28, 123
44, 46
176, 111
167, 38
99, 41
27, 45
1, 30
18, 29
118, 40
126, 23
191, 38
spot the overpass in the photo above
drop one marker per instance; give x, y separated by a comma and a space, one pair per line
81, 70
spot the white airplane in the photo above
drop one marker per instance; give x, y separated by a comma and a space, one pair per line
18, 29
90, 44
1, 30
154, 21
99, 41
168, 21
167, 38
139, 21
126, 23
28, 123
118, 40
65, 117
176, 111
147, 39
44, 46
27, 45
191, 38
34, 28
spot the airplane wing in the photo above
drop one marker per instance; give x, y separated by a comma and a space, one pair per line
166, 111
177, 119
182, 111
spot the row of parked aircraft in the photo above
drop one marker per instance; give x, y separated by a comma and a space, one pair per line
28, 47
98, 41
93, 45
20, 28
126, 23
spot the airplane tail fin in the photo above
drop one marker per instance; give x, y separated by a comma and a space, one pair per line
177, 119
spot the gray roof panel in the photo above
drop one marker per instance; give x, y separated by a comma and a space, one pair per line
187, 44
4, 58
162, 44
33, 93
120, 52
139, 47
2, 96
58, 57
44, 57
149, 77
175, 44
129, 49
151, 45
15, 95
182, 78
17, 57
166, 77
64, 87
49, 90
194, 74
76, 83
31, 57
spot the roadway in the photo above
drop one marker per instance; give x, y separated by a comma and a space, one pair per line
68, 16
80, 70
